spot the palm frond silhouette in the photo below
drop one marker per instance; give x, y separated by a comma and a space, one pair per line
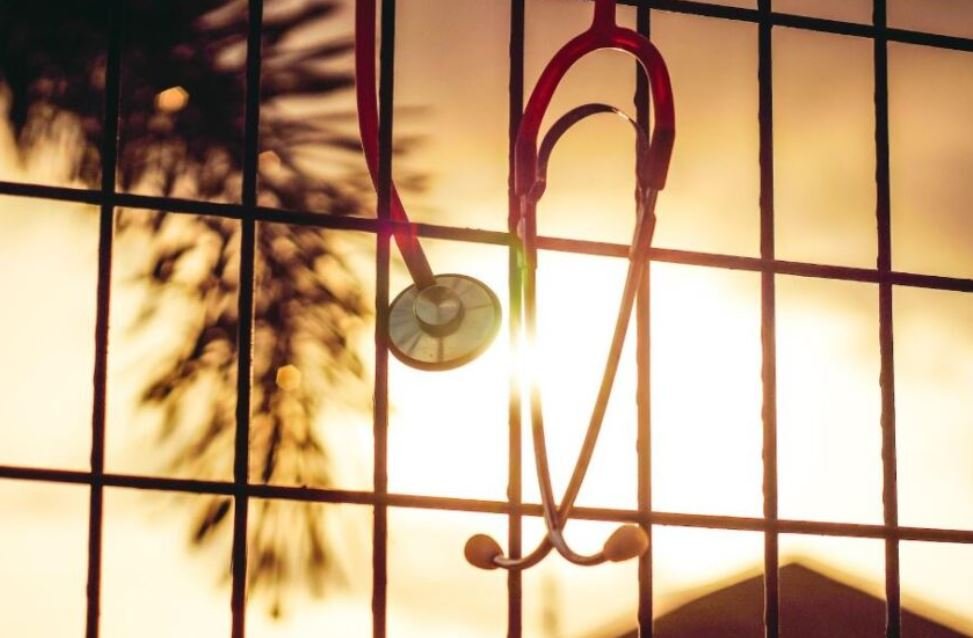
181, 134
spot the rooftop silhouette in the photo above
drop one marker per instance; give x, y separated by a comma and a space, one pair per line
812, 605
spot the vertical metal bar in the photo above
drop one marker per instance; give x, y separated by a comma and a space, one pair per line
887, 375
380, 433
241, 459
515, 465
644, 367
768, 330
109, 156
380, 405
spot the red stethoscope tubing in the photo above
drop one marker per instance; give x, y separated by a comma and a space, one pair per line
603, 34
368, 124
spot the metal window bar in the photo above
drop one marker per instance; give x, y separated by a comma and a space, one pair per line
768, 318
248, 227
249, 213
515, 436
382, 256
109, 155
890, 500
643, 366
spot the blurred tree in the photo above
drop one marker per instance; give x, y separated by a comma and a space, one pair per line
181, 134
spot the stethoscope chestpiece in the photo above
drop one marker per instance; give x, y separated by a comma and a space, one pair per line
445, 325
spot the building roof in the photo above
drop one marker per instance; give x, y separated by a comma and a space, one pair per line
811, 605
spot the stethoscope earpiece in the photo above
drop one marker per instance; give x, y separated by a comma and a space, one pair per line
625, 543
628, 541
445, 325
482, 551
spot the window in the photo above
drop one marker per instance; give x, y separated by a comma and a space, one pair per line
802, 390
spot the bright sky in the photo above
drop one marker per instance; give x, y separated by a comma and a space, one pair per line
448, 431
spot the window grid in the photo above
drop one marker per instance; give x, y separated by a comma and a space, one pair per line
242, 490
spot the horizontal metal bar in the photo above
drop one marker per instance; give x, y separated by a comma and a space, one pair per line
808, 23
43, 191
322, 495
905, 36
498, 238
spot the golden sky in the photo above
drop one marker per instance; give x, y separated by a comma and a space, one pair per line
448, 433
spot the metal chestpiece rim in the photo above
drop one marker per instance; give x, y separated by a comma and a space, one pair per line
445, 325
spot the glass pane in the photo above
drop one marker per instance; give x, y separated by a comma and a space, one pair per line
432, 591
310, 571
562, 599
48, 279
707, 583
948, 17
310, 147
824, 149
451, 95
52, 69
313, 357
172, 361
711, 198
448, 429
577, 301
831, 586
44, 553
931, 159
182, 100
706, 398
933, 373
828, 401
937, 579
845, 10
182, 590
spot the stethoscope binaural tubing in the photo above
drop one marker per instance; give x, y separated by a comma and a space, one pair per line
529, 183
555, 520
368, 124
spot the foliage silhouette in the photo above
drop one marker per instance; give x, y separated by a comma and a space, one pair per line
189, 144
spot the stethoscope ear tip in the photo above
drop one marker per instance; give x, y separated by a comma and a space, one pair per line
628, 541
482, 551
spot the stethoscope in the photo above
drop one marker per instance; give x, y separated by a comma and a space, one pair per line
444, 321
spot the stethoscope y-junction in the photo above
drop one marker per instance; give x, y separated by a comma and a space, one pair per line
444, 321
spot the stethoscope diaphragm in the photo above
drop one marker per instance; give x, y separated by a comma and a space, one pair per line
445, 325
